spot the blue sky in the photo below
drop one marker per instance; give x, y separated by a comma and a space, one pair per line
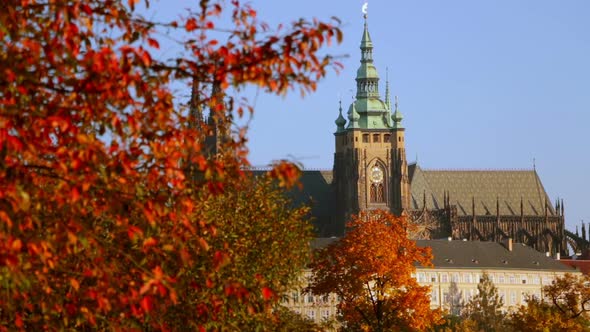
486, 84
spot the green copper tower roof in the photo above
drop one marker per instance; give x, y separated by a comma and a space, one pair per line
353, 116
368, 110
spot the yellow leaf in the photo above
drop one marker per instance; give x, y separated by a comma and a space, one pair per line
74, 283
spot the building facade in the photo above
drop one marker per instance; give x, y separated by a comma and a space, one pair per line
516, 270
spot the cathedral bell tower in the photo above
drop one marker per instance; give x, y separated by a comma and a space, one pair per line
370, 166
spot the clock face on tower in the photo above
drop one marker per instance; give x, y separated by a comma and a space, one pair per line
376, 174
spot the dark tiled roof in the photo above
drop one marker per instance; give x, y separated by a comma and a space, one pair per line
322, 242
485, 187
316, 191
489, 255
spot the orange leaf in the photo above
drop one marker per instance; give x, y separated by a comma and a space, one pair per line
149, 242
17, 245
74, 283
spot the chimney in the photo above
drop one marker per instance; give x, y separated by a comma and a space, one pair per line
507, 243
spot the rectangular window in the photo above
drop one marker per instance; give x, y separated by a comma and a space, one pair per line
536, 280
467, 278
445, 278
421, 277
433, 277
512, 279
376, 138
445, 297
296, 297
455, 277
326, 314
501, 279
386, 138
365, 138
434, 296
326, 298
512, 297
311, 314
310, 298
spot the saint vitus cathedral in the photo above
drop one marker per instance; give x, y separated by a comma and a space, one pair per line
371, 172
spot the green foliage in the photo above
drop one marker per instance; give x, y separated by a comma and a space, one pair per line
289, 321
485, 308
564, 307
260, 248
538, 315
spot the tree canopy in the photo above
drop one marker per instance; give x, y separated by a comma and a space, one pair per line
112, 213
485, 308
564, 307
370, 269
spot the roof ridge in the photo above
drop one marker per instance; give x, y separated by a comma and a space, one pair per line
479, 169
269, 168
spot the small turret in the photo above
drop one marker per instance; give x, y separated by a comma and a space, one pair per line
340, 121
353, 116
397, 116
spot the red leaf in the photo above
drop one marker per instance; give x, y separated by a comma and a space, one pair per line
191, 24
18, 321
147, 303
134, 232
153, 43
267, 293
75, 194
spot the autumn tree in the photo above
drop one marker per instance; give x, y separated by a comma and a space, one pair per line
564, 307
370, 269
112, 214
485, 308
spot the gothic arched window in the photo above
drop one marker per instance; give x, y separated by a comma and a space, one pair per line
377, 190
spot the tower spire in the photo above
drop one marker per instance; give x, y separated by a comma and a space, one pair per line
387, 93
195, 109
366, 76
